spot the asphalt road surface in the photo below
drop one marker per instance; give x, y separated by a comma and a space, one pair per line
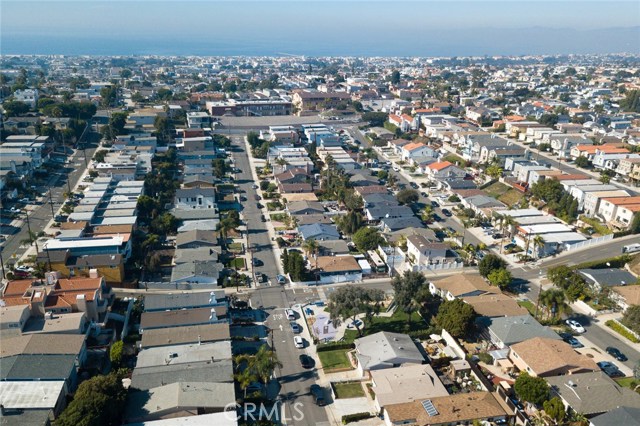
294, 380
40, 215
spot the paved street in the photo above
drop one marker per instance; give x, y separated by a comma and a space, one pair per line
294, 379
40, 215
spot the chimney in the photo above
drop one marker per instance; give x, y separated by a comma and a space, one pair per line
199, 340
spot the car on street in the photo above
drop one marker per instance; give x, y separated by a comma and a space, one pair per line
446, 212
615, 352
574, 343
298, 342
260, 277
15, 210
257, 197
510, 246
413, 185
497, 236
306, 361
396, 169
281, 279
434, 204
424, 194
262, 218
291, 315
24, 268
257, 262
437, 218
575, 326
295, 327
317, 393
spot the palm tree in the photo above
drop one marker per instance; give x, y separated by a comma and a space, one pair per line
265, 362
538, 242
310, 246
244, 379
554, 301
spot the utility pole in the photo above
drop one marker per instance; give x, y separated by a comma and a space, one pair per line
51, 203
31, 239
2, 265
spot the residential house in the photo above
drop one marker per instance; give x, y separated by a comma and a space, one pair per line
182, 318
202, 333
318, 232
547, 357
109, 266
297, 208
195, 239
424, 252
460, 408
386, 350
599, 279
180, 399
411, 382
444, 170
335, 269
592, 393
31, 402
195, 198
504, 331
393, 224
493, 305
460, 286
13, 319
305, 101
196, 275
416, 150
628, 416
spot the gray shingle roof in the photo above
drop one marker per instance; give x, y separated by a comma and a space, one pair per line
33, 367
627, 416
517, 329
220, 371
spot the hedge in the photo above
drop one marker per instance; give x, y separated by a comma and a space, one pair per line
355, 417
614, 262
334, 347
621, 331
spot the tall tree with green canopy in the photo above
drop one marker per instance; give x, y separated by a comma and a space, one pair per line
534, 390
350, 301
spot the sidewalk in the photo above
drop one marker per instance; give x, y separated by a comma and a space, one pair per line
600, 321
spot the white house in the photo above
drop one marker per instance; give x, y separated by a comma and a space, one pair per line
195, 198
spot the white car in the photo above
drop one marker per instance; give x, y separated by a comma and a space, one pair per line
575, 326
396, 169
298, 342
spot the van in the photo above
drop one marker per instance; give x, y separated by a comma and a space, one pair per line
290, 314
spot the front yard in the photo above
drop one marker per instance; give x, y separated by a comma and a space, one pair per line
348, 390
335, 360
396, 323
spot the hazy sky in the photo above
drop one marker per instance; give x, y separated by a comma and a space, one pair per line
416, 28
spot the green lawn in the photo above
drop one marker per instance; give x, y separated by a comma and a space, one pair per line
452, 158
511, 197
334, 359
237, 263
628, 382
348, 390
235, 247
528, 305
497, 189
396, 323
596, 224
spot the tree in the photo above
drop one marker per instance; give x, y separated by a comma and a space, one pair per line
296, 266
395, 77
219, 167
631, 318
494, 171
489, 263
554, 408
635, 223
261, 365
357, 105
108, 96
408, 294
408, 196
375, 119
500, 278
455, 316
631, 101
15, 108
100, 155
116, 352
531, 389
583, 162
310, 247
350, 301
367, 238
554, 302
98, 401
349, 223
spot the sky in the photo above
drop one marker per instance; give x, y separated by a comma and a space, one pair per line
319, 28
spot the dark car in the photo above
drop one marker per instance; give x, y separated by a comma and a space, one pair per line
262, 218
413, 185
257, 262
306, 361
435, 204
615, 352
446, 212
257, 197
437, 218
424, 194
318, 395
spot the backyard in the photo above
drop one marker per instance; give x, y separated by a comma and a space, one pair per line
504, 193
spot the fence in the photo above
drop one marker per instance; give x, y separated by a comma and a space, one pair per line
589, 243
437, 267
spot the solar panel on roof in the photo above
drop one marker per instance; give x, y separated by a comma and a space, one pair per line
429, 408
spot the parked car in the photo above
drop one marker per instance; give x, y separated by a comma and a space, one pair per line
317, 393
615, 352
446, 212
257, 262
574, 343
509, 246
281, 279
413, 185
295, 327
291, 315
262, 218
575, 326
260, 277
355, 323
610, 369
424, 194
306, 361
434, 204
298, 342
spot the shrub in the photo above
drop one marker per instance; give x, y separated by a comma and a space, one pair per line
334, 347
355, 417
618, 328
